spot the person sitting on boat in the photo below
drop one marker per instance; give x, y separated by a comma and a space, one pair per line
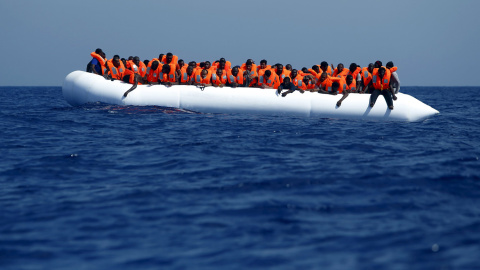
170, 59
288, 67
394, 80
351, 84
307, 83
139, 67
115, 68
263, 66
250, 74
153, 73
287, 84
281, 72
326, 68
381, 86
219, 78
366, 82
235, 78
295, 77
187, 76
168, 75
355, 71
340, 71
269, 80
98, 64
202, 79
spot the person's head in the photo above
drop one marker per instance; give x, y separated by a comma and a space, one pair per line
288, 67
305, 70
98, 51
154, 65
390, 65
263, 64
160, 56
222, 60
202, 65
370, 67
381, 72
340, 67
324, 66
335, 86
219, 71
378, 64
207, 64
323, 77
267, 74
116, 61
204, 73
305, 79
286, 80
166, 69
294, 73
316, 68
221, 64
181, 62
146, 62
235, 71
169, 57
349, 79
136, 60
124, 61
130, 58
279, 68
190, 70
353, 67
193, 64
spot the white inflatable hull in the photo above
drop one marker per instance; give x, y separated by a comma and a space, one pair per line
82, 87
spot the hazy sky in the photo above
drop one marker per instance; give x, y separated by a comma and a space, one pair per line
432, 42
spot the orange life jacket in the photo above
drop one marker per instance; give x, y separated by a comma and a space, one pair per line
381, 83
285, 73
116, 73
141, 69
217, 80
174, 59
355, 73
244, 67
260, 69
297, 79
170, 77
151, 62
329, 70
238, 79
326, 84
366, 76
100, 60
199, 79
131, 75
350, 87
393, 69
273, 81
305, 86
344, 73
184, 78
152, 75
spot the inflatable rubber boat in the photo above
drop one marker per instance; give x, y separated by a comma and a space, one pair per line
81, 87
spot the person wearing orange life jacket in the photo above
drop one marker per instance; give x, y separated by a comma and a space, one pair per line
340, 71
138, 67
355, 71
153, 72
219, 78
243, 67
227, 65
394, 80
381, 85
202, 79
349, 87
98, 64
115, 68
325, 68
187, 76
269, 80
295, 77
324, 83
169, 58
288, 67
307, 83
181, 64
168, 75
281, 72
250, 74
366, 82
263, 66
235, 78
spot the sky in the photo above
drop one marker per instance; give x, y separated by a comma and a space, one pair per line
433, 42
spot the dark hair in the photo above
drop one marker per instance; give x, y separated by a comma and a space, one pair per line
390, 64
98, 51
379, 63
160, 56
350, 77
335, 84
279, 65
268, 73
116, 55
169, 54
263, 61
167, 68
208, 62
249, 62
324, 64
222, 60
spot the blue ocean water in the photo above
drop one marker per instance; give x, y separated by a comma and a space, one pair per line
112, 187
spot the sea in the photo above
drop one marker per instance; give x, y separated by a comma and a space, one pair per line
103, 186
